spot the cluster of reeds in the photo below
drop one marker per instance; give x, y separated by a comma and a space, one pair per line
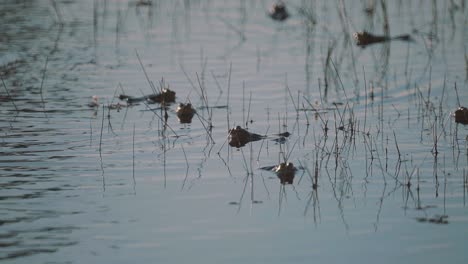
339, 130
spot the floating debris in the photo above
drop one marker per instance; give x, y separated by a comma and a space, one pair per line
94, 101
164, 97
238, 137
461, 115
185, 113
365, 38
285, 172
278, 11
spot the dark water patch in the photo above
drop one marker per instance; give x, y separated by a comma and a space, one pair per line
27, 252
23, 196
61, 157
9, 69
50, 111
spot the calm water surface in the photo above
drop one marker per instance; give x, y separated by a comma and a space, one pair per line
382, 166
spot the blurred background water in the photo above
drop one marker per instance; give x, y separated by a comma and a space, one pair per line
382, 166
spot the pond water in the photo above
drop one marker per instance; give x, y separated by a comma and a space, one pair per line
382, 166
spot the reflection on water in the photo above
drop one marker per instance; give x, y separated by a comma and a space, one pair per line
374, 139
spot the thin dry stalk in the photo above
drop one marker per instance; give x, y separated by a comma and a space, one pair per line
205, 100
133, 157
208, 131
117, 28
160, 118
100, 137
430, 85
435, 152
42, 83
320, 92
307, 117
243, 102
339, 78
57, 12
456, 92
90, 133
216, 82
261, 145
442, 97
396, 144
290, 152
291, 96
246, 166
239, 32
190, 81
153, 88
365, 93
396, 110
248, 111
95, 24
187, 170
228, 95
325, 124
218, 86
465, 185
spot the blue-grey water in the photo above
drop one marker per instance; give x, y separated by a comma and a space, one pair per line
382, 166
